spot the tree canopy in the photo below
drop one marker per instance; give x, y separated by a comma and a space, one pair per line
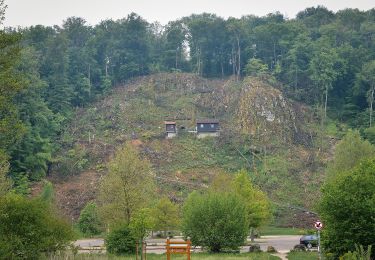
347, 208
127, 188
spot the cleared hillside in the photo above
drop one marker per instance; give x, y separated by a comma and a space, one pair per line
261, 131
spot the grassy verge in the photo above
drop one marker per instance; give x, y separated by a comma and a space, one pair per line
303, 256
205, 256
270, 230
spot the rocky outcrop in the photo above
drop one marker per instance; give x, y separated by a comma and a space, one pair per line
264, 113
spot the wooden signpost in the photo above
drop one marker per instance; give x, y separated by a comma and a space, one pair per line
178, 247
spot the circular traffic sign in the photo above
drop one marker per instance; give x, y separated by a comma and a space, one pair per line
318, 225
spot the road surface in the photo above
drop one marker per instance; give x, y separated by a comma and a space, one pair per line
283, 244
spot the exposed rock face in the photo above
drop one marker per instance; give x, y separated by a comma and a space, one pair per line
265, 113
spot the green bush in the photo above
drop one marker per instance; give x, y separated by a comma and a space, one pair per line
29, 228
216, 221
347, 209
360, 253
369, 134
89, 222
120, 241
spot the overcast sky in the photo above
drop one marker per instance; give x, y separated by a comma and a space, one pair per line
51, 12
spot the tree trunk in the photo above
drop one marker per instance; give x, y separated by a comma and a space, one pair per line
274, 53
239, 58
371, 103
222, 70
252, 234
325, 103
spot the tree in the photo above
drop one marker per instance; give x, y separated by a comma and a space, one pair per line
89, 222
255, 67
216, 221
347, 208
47, 195
166, 215
11, 82
29, 228
349, 152
31, 156
175, 33
140, 225
128, 186
257, 204
324, 73
5, 182
367, 76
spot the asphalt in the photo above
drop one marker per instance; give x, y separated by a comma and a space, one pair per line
282, 244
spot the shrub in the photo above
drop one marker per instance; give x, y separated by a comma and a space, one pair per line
120, 241
216, 221
89, 222
347, 208
254, 248
271, 249
299, 248
360, 253
30, 228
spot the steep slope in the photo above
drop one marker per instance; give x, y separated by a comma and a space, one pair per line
261, 130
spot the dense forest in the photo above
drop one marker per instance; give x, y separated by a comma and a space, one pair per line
321, 58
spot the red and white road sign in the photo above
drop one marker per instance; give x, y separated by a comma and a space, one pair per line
318, 225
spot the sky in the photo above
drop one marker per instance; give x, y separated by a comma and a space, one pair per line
52, 12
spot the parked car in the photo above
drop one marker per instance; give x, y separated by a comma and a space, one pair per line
309, 241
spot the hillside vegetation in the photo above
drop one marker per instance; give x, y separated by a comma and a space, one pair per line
261, 131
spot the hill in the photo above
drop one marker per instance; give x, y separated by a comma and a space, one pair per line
277, 140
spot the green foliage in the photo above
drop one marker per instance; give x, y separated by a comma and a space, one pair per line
369, 134
47, 195
359, 254
120, 241
73, 162
5, 182
365, 82
141, 223
215, 221
128, 186
166, 215
29, 228
255, 67
257, 204
89, 222
347, 208
303, 255
349, 152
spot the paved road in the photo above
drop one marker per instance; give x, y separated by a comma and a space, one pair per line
283, 244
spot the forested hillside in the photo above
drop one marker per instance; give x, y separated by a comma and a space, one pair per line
319, 66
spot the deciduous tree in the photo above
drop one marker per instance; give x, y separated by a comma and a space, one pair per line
128, 186
166, 215
29, 228
347, 209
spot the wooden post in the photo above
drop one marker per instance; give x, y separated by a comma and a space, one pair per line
188, 249
168, 250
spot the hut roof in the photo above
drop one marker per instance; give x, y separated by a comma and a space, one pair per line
207, 121
169, 123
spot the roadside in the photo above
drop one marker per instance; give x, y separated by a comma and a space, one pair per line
283, 244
